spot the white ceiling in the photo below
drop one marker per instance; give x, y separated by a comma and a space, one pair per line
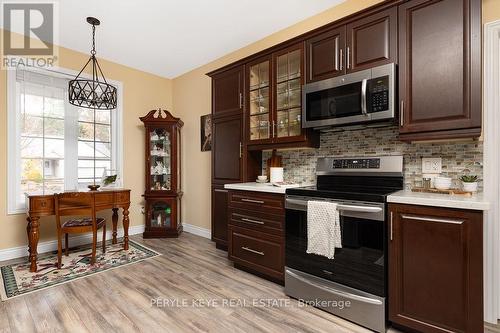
169, 38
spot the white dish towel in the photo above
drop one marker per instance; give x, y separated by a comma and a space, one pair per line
323, 228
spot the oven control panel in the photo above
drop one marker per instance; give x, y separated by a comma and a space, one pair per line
359, 163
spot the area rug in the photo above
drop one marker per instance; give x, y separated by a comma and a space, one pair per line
16, 279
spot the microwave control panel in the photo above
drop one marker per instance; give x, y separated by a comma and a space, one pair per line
378, 90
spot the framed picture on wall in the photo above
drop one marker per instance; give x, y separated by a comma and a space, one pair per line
206, 132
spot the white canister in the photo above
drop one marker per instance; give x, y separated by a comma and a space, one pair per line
276, 175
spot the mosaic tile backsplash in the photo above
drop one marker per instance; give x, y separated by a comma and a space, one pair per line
458, 158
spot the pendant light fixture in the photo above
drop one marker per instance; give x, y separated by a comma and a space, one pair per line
93, 93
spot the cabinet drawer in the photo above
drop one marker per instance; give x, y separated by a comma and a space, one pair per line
257, 220
270, 203
258, 251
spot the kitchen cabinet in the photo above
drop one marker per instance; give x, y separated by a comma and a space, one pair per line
227, 150
227, 144
219, 216
372, 41
227, 92
440, 69
275, 101
362, 43
325, 55
435, 269
256, 232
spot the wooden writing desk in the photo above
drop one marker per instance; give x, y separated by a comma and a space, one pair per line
43, 205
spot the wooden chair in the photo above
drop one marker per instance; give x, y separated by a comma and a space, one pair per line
77, 204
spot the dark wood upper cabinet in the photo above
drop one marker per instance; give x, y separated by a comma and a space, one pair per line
435, 269
274, 108
325, 55
227, 91
372, 41
440, 69
227, 150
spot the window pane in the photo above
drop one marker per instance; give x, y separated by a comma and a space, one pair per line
86, 168
86, 149
86, 131
53, 168
103, 117
103, 133
85, 115
33, 105
54, 128
54, 185
54, 148
31, 169
31, 147
31, 125
54, 107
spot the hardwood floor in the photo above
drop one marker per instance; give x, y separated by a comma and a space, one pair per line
190, 268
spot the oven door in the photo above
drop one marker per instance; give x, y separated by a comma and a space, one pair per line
361, 261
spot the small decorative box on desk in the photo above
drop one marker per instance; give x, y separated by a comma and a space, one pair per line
163, 176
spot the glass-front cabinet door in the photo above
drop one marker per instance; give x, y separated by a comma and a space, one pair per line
160, 149
161, 214
288, 93
275, 97
260, 100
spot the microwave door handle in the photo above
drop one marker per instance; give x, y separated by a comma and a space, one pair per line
363, 97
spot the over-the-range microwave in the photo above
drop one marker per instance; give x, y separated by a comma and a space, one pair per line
359, 97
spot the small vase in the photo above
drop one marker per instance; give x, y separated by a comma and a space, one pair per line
469, 187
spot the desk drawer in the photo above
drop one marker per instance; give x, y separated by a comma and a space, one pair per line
258, 251
104, 198
122, 197
257, 220
269, 203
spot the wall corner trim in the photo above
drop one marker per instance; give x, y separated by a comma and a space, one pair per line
196, 230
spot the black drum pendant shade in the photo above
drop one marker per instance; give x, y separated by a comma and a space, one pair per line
93, 93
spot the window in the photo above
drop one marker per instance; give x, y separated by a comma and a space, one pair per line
51, 142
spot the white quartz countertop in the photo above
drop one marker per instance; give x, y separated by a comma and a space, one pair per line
257, 187
475, 202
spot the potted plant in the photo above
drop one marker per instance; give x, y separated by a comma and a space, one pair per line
469, 183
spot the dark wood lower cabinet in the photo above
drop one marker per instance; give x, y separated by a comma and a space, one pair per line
256, 233
219, 216
435, 269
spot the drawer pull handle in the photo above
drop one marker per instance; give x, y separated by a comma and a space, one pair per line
260, 253
252, 221
431, 219
252, 201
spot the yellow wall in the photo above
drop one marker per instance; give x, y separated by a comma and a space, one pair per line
192, 100
141, 93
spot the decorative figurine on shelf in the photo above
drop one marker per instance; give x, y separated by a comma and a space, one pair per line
163, 147
159, 168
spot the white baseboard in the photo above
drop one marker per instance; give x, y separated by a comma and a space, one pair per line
195, 230
22, 251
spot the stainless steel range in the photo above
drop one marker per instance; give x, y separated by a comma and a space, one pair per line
353, 284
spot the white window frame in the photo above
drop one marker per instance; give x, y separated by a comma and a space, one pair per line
13, 152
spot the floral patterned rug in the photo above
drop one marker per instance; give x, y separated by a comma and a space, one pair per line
16, 279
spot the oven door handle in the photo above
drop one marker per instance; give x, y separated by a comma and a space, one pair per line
336, 291
302, 205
